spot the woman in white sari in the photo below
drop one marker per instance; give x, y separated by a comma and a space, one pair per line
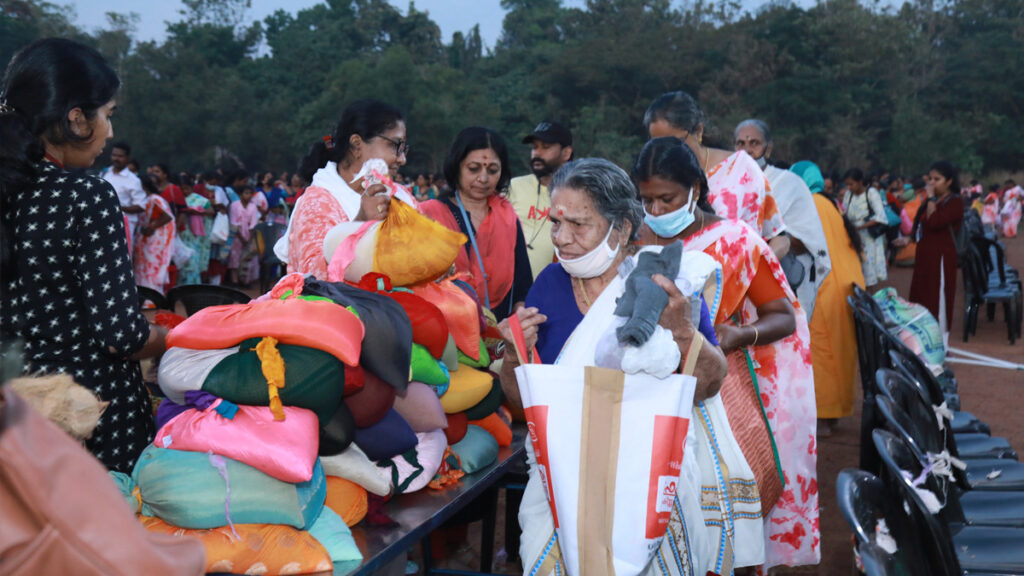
595, 216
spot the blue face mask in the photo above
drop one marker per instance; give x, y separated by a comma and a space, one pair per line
671, 224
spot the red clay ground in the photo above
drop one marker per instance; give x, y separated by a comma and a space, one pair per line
994, 395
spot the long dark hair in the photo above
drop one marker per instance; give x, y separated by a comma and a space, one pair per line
45, 81
949, 172
672, 160
476, 138
367, 118
851, 229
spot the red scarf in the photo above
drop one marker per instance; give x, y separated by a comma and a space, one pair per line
496, 239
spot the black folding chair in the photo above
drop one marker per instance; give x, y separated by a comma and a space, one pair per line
951, 550
935, 395
976, 507
967, 445
195, 297
902, 414
869, 355
148, 294
978, 291
271, 268
865, 503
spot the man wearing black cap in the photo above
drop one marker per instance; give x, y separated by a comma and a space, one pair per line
552, 147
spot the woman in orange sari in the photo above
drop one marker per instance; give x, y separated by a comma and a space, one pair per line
833, 339
495, 257
758, 315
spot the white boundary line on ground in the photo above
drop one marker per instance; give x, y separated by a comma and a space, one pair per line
981, 360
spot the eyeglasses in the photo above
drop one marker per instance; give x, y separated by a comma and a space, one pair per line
401, 146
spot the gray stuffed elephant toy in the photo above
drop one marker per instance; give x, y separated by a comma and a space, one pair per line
643, 300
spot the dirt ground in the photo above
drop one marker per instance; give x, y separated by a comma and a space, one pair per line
994, 395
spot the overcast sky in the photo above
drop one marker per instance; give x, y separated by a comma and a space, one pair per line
450, 15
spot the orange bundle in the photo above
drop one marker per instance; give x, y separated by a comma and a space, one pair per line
262, 548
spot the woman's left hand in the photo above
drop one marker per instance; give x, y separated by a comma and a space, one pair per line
711, 365
676, 316
730, 337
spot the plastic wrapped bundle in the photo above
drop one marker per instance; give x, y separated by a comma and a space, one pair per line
313, 379
406, 246
387, 438
253, 548
314, 324
284, 449
461, 313
196, 490
372, 402
414, 469
389, 333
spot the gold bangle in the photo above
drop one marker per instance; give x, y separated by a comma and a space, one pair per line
756, 334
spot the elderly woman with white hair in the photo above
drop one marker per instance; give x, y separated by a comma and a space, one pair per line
595, 218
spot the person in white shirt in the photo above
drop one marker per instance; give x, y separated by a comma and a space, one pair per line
529, 195
125, 183
793, 197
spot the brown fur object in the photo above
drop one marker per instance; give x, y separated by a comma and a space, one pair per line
72, 407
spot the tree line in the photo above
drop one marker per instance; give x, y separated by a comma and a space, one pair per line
844, 83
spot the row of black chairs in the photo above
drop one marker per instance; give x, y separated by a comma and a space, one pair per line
935, 493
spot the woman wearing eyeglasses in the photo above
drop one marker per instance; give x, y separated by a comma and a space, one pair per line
367, 129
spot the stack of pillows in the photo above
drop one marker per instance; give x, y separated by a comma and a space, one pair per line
282, 416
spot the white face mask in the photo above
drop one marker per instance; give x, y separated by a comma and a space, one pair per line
762, 162
593, 263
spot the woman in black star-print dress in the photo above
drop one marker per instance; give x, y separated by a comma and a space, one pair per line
68, 287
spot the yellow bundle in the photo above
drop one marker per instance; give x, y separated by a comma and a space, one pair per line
412, 248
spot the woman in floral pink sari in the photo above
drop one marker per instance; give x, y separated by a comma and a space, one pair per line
154, 242
758, 315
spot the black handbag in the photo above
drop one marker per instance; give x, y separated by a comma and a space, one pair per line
878, 230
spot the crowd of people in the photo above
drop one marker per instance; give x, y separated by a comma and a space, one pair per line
200, 228
788, 244
172, 218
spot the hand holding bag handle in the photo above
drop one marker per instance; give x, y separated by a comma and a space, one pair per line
520, 340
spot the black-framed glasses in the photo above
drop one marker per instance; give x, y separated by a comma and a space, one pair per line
401, 146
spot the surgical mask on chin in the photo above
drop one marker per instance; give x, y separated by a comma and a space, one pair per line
593, 263
671, 224
762, 162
